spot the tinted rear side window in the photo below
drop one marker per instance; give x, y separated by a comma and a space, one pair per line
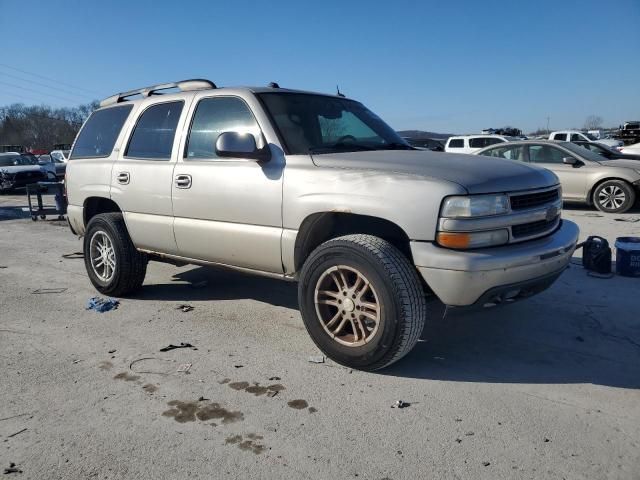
560, 136
154, 133
99, 134
457, 143
481, 142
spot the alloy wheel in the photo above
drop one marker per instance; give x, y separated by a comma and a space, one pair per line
611, 197
347, 306
103, 256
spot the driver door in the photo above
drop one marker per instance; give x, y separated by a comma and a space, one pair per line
227, 210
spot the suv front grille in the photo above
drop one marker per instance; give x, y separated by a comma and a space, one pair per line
532, 200
533, 228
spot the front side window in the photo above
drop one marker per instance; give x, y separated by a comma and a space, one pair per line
546, 154
100, 132
456, 143
576, 137
214, 116
154, 133
319, 124
510, 153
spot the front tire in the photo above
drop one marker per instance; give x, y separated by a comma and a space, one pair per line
113, 264
361, 301
614, 196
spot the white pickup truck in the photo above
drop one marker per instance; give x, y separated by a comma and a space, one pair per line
574, 135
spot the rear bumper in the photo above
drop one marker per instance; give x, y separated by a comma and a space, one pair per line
75, 219
493, 275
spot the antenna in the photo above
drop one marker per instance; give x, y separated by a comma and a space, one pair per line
338, 92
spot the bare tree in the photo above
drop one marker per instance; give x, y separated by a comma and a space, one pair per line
593, 122
41, 126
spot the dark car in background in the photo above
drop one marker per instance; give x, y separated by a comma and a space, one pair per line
18, 170
427, 143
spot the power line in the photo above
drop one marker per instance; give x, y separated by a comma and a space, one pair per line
37, 92
49, 79
66, 92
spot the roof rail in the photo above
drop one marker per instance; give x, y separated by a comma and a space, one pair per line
183, 86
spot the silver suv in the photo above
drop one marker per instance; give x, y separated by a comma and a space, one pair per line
316, 189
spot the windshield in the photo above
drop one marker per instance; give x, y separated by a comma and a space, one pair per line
319, 124
13, 160
583, 152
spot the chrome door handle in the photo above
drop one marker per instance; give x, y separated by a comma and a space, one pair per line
123, 178
183, 181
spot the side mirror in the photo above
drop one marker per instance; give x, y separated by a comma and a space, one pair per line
240, 145
570, 161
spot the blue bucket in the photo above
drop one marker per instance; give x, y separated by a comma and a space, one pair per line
628, 256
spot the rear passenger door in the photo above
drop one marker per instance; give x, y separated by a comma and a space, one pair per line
142, 175
227, 210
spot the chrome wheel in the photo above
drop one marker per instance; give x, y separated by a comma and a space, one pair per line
103, 256
611, 197
347, 306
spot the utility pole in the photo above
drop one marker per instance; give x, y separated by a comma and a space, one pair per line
548, 118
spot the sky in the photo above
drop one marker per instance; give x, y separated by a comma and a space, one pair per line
450, 67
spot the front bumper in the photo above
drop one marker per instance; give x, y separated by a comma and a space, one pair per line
476, 277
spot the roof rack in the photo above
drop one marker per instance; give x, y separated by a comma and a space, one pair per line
183, 86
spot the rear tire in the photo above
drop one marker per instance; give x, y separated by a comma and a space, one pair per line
113, 264
614, 196
366, 285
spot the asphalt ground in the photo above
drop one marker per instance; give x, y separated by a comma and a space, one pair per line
543, 388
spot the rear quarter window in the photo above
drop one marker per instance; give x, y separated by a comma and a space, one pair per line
100, 132
456, 143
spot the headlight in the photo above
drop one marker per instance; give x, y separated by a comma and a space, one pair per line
475, 206
462, 240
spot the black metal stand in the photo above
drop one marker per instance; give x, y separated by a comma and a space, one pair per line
47, 188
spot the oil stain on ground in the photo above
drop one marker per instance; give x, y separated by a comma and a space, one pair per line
127, 377
150, 388
298, 404
256, 389
183, 412
249, 445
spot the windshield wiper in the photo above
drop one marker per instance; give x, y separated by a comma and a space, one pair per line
341, 146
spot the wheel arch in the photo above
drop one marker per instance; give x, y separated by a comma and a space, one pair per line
96, 205
319, 227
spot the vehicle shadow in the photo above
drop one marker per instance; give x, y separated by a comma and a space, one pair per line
589, 209
582, 330
569, 334
13, 213
208, 283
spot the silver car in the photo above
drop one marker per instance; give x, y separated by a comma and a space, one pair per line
586, 177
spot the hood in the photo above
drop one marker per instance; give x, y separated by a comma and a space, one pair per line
476, 173
622, 162
21, 168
